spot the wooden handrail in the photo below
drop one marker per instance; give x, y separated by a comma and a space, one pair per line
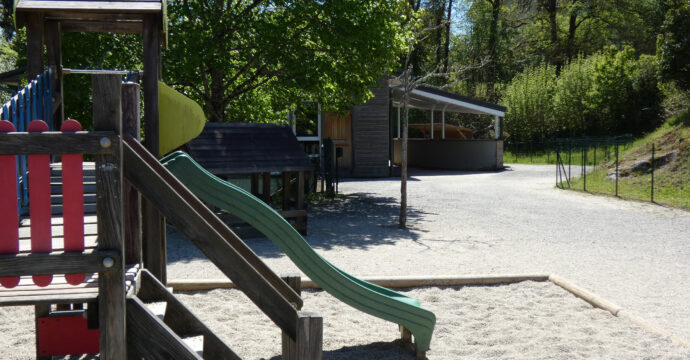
83, 142
58, 263
184, 211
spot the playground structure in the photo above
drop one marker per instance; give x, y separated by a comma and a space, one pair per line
98, 281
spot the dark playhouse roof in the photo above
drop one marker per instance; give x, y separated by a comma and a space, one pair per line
241, 148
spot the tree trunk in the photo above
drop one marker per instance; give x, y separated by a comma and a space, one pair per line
447, 44
402, 223
492, 68
217, 102
572, 27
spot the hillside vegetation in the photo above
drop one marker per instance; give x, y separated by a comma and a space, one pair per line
672, 167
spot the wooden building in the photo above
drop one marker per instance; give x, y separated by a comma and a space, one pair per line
369, 134
258, 151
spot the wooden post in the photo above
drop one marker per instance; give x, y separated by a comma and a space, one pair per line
40, 310
309, 342
153, 226
107, 115
255, 184
266, 193
54, 57
34, 44
300, 222
132, 198
286, 190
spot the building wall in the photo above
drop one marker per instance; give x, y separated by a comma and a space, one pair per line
469, 155
371, 135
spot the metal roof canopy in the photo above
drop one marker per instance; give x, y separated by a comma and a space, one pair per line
427, 98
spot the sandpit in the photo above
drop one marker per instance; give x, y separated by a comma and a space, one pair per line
527, 320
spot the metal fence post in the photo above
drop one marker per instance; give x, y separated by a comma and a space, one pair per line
616, 169
584, 168
653, 150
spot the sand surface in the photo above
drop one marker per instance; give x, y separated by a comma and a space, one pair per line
529, 320
633, 254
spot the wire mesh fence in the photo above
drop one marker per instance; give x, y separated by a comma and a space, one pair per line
597, 165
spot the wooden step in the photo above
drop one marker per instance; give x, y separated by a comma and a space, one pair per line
182, 321
149, 337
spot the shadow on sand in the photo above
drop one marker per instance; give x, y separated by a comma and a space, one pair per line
377, 350
357, 221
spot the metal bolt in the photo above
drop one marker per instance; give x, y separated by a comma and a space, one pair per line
105, 142
108, 262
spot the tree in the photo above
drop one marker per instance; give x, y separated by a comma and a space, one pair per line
673, 44
409, 80
280, 53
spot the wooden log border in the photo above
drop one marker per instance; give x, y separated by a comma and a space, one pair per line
478, 280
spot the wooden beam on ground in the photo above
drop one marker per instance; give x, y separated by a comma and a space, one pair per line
107, 115
131, 126
389, 282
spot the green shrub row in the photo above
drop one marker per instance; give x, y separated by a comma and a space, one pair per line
610, 92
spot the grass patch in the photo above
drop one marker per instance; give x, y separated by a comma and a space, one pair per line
671, 180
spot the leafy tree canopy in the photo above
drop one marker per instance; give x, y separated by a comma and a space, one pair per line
246, 59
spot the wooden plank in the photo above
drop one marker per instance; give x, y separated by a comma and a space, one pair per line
39, 198
9, 220
34, 45
90, 6
131, 126
54, 58
153, 226
107, 115
58, 143
73, 205
56, 263
309, 342
148, 337
171, 197
115, 27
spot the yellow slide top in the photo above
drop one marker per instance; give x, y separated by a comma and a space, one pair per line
180, 120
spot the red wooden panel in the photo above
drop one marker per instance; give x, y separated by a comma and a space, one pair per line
9, 221
73, 201
39, 202
66, 335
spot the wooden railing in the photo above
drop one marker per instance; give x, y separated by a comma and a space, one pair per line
34, 101
42, 260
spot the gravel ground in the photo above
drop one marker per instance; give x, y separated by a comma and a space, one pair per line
513, 221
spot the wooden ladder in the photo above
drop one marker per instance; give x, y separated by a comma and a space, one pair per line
159, 326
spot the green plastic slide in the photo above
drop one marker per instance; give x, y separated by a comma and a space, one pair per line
364, 296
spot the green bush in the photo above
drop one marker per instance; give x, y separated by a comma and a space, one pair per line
529, 102
610, 92
571, 97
